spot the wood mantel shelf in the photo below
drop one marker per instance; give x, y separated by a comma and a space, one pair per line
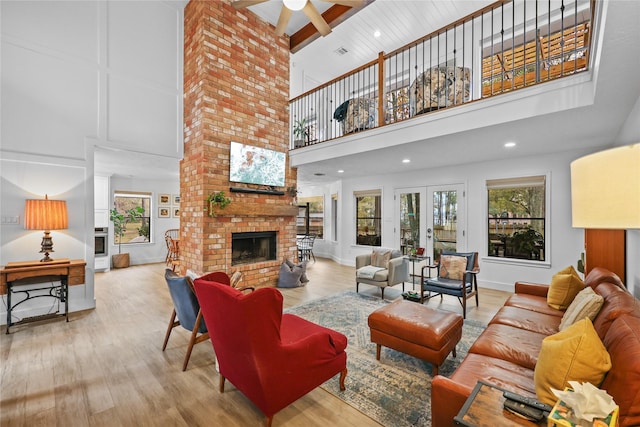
243, 208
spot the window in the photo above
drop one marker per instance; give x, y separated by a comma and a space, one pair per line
316, 216
139, 229
516, 220
368, 218
334, 217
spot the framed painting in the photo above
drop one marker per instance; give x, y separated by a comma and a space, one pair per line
176, 212
164, 200
175, 200
164, 212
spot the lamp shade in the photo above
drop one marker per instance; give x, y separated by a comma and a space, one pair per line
45, 214
605, 189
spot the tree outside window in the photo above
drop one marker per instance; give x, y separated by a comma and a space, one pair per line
138, 231
516, 222
368, 219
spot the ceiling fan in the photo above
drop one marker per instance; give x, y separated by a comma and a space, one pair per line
289, 6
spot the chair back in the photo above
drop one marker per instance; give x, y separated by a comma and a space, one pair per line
184, 300
245, 331
472, 258
173, 233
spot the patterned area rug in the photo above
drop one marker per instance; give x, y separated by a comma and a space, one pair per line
395, 391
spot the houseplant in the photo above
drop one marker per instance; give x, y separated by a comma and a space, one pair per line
120, 221
216, 200
300, 133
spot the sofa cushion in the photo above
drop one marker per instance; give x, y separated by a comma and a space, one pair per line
575, 354
586, 304
508, 343
534, 303
617, 302
564, 286
452, 267
501, 373
380, 257
526, 319
623, 380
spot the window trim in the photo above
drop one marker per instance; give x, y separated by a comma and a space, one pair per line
366, 193
147, 194
519, 180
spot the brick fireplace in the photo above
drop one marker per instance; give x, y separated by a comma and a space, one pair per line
236, 88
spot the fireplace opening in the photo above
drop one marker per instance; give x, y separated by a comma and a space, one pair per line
249, 248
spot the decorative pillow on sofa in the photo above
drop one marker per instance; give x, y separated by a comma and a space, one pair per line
586, 304
575, 354
565, 285
380, 257
452, 267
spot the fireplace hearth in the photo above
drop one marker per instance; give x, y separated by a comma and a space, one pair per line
253, 247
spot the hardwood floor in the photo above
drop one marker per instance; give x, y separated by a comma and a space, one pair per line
106, 368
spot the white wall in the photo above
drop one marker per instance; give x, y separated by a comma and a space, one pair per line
566, 242
75, 75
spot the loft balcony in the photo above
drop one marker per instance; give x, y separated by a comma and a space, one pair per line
500, 49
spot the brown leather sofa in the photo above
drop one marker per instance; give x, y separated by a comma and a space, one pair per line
505, 354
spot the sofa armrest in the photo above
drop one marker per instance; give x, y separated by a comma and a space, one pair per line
447, 398
363, 260
398, 271
537, 289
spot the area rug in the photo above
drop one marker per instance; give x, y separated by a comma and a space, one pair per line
395, 391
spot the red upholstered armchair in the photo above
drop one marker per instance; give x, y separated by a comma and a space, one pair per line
271, 357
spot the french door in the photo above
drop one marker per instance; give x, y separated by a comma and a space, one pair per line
445, 219
410, 218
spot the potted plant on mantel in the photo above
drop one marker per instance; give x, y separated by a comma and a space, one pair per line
120, 221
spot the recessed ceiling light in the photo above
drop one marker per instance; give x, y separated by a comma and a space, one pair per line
341, 171
376, 33
318, 174
406, 160
510, 144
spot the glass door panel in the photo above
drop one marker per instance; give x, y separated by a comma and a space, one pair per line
445, 230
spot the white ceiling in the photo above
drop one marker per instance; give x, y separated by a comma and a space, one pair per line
402, 21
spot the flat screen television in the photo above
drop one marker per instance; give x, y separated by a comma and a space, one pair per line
255, 165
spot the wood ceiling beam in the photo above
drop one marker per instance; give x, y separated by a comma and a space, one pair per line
334, 16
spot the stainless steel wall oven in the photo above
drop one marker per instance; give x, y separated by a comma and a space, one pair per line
101, 241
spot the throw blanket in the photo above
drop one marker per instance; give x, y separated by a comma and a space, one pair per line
368, 271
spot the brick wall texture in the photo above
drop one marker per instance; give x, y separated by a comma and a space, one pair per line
236, 88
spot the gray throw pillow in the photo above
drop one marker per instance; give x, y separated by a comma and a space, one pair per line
302, 265
289, 277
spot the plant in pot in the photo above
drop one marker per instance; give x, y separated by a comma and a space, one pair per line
526, 243
120, 221
216, 200
300, 133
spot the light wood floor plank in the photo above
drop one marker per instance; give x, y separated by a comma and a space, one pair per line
106, 367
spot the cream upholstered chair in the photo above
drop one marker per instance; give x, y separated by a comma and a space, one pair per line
382, 267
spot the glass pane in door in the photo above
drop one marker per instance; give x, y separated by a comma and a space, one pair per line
445, 221
409, 222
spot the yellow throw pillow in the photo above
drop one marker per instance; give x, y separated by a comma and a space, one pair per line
452, 267
586, 304
575, 354
565, 285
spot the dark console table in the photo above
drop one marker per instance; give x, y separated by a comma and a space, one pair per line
35, 279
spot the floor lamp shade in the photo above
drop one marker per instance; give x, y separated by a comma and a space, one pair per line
605, 189
46, 215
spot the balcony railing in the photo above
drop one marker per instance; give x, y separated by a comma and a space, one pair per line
506, 46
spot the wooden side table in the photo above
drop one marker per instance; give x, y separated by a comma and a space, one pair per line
484, 408
19, 277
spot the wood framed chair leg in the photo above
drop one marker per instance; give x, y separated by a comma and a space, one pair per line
269, 421
194, 339
221, 384
172, 324
343, 375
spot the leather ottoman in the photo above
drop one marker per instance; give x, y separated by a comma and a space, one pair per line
416, 330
